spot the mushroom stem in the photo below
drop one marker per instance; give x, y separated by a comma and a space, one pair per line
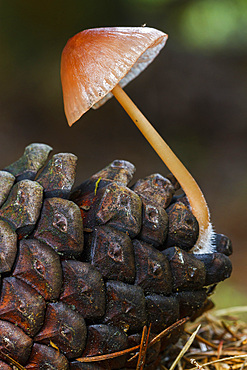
193, 192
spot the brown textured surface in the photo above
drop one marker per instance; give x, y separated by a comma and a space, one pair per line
76, 289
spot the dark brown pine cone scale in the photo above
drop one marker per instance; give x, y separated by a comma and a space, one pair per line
84, 270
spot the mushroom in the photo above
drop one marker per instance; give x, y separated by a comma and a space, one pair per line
96, 64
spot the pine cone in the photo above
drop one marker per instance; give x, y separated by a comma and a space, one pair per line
84, 270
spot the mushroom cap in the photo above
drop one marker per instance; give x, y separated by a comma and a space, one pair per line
94, 61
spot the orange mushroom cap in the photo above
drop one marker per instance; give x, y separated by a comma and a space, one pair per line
94, 61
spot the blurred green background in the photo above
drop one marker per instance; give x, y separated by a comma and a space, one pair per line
194, 93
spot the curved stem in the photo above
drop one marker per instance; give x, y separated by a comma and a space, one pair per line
193, 192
